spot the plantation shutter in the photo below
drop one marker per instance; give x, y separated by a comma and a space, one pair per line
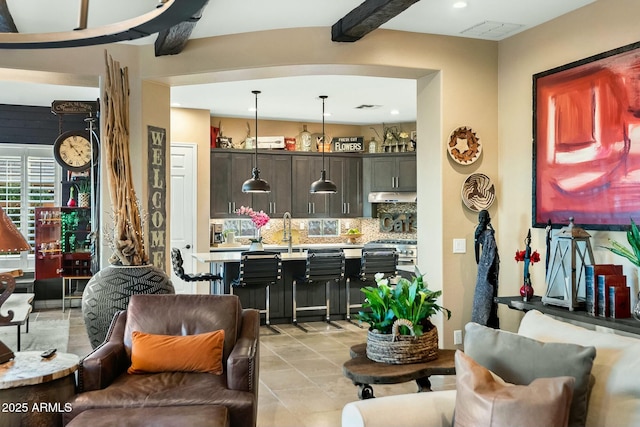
27, 180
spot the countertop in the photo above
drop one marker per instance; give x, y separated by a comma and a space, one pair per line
296, 255
283, 247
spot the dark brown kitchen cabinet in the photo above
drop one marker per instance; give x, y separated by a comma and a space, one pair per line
392, 172
346, 173
305, 169
276, 170
228, 171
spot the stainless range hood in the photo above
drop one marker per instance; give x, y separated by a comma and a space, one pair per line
391, 197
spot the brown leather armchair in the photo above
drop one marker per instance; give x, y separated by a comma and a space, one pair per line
103, 381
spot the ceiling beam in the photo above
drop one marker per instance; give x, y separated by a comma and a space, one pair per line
366, 18
168, 14
174, 39
6, 20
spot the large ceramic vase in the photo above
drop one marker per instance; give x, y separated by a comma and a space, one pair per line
109, 291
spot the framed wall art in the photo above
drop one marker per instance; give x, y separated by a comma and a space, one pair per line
586, 141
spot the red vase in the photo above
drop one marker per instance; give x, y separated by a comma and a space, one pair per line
526, 292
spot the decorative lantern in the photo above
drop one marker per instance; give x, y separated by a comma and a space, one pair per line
571, 251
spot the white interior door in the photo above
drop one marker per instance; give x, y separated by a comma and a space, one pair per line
183, 209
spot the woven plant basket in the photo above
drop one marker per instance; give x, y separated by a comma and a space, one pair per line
402, 349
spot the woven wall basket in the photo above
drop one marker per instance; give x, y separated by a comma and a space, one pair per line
400, 349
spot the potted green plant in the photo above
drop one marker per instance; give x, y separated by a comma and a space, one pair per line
633, 237
400, 329
633, 255
84, 193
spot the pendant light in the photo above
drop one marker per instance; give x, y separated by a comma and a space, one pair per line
323, 186
255, 184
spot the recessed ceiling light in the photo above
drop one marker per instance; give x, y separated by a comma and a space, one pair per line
327, 114
175, 104
394, 112
252, 109
367, 107
460, 5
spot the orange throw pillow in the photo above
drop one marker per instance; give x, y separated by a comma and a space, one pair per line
169, 353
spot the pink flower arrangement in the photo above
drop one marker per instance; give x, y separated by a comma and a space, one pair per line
260, 219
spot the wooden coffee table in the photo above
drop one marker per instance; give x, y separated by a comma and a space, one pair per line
363, 371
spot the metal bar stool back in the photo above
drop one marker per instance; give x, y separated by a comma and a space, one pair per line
323, 266
374, 260
177, 261
259, 269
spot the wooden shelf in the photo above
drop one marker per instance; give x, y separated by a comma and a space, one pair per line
629, 325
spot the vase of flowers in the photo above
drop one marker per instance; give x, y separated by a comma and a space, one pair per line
259, 219
529, 258
400, 329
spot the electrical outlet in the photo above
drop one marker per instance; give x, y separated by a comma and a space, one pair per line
457, 337
301, 225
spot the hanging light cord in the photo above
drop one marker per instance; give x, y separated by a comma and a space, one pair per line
323, 97
256, 92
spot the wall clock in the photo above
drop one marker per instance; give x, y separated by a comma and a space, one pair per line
72, 150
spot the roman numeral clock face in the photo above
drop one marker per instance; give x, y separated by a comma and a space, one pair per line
72, 150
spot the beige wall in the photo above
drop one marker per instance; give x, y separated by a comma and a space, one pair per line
191, 126
457, 87
463, 94
237, 128
601, 26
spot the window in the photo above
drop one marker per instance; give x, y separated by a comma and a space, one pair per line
28, 177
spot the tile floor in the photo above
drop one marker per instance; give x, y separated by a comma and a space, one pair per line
301, 381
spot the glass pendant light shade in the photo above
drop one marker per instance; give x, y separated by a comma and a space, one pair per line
323, 185
255, 184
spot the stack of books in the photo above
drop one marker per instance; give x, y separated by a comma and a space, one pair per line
607, 294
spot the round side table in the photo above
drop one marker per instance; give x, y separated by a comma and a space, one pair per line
33, 390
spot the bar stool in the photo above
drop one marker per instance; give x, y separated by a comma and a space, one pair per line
177, 261
374, 260
323, 265
259, 269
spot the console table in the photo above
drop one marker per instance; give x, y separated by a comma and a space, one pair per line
629, 325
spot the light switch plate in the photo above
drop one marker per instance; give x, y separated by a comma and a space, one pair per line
459, 246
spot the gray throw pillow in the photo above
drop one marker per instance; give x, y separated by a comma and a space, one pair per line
520, 360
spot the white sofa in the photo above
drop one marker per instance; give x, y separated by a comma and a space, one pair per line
614, 399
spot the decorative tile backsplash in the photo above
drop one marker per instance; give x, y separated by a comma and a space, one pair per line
369, 227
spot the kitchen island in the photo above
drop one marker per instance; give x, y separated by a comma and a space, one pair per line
225, 261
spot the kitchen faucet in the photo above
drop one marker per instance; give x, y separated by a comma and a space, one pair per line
286, 230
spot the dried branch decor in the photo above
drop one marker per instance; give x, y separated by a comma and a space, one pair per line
127, 241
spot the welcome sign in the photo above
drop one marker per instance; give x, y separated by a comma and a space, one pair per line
157, 203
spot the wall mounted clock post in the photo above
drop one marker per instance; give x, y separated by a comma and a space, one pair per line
73, 150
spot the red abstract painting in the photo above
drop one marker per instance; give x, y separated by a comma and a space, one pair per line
587, 141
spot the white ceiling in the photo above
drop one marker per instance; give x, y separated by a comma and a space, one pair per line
292, 98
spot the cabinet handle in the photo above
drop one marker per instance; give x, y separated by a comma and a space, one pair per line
309, 207
393, 182
274, 208
229, 207
313, 207
348, 207
234, 207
